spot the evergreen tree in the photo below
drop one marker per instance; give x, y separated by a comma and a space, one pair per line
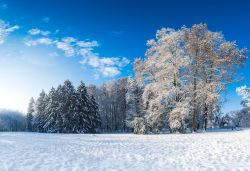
94, 117
81, 118
51, 112
59, 121
30, 113
68, 106
39, 118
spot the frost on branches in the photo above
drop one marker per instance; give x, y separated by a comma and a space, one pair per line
183, 74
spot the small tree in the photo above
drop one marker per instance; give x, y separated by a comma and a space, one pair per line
140, 125
30, 114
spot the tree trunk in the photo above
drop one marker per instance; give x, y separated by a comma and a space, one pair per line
195, 94
205, 117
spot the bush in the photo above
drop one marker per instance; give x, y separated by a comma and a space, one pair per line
140, 126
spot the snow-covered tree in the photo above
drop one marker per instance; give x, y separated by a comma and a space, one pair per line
243, 116
164, 73
51, 112
187, 67
244, 92
59, 99
68, 106
93, 115
139, 125
39, 116
30, 114
214, 62
133, 98
66, 110
111, 100
82, 110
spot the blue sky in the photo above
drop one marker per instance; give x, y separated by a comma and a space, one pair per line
48, 41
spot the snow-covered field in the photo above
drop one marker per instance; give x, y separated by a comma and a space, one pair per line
201, 151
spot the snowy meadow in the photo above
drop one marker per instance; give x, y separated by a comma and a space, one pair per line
137, 99
228, 150
177, 89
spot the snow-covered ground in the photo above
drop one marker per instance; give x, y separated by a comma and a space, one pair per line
201, 151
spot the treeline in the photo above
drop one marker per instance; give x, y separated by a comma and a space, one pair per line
176, 87
240, 118
111, 99
12, 121
64, 110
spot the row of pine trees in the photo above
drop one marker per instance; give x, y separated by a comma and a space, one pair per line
64, 110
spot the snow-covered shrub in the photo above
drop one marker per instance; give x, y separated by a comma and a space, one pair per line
140, 125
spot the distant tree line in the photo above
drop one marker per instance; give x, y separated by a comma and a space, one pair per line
64, 110
12, 121
239, 118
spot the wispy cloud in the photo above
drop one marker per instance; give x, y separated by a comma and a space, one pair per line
106, 66
40, 41
67, 48
70, 46
85, 44
36, 31
5, 30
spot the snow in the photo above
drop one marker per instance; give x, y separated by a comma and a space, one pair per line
201, 151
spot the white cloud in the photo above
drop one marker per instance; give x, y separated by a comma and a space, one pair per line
107, 66
11, 29
123, 62
66, 48
5, 30
69, 39
110, 71
36, 31
40, 41
45, 41
115, 61
85, 44
70, 46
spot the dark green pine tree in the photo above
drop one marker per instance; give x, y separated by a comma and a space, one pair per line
81, 111
30, 115
95, 120
39, 118
51, 112
59, 121
68, 106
